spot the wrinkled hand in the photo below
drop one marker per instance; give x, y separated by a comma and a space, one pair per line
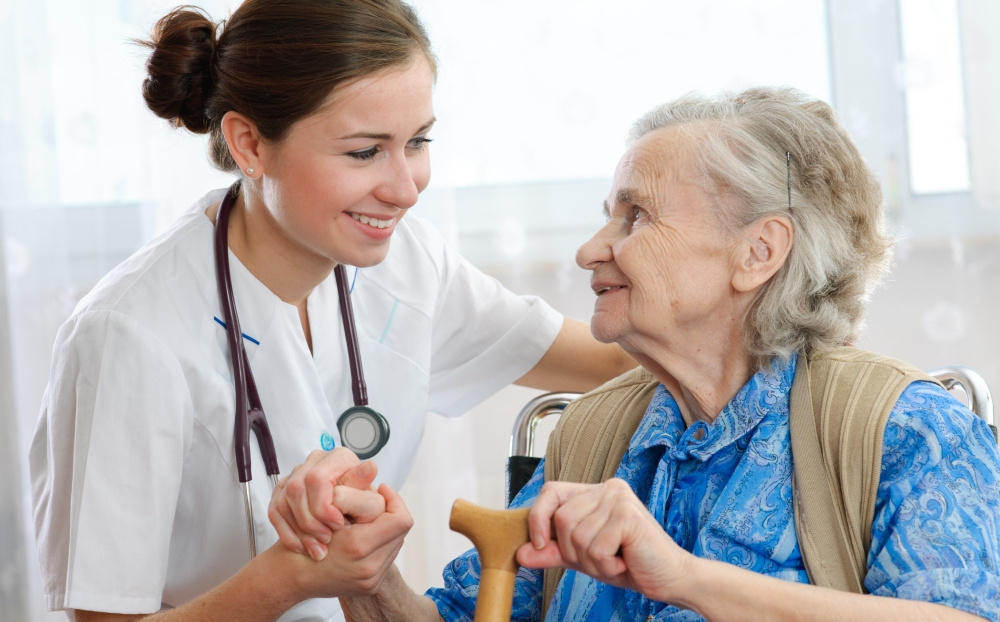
603, 530
325, 494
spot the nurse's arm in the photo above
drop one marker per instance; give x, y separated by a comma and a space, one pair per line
577, 362
359, 557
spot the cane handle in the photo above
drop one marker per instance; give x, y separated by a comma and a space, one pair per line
496, 534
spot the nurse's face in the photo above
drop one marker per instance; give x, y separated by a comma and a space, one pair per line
342, 178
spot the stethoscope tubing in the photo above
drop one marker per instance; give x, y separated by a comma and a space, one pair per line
249, 411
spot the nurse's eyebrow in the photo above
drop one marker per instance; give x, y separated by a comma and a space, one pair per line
374, 136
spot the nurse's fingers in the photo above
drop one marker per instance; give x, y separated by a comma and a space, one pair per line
361, 476
292, 538
301, 500
331, 510
286, 534
361, 506
319, 480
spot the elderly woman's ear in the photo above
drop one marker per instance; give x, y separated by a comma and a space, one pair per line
761, 251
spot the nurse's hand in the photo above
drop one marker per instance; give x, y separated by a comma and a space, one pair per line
359, 556
329, 490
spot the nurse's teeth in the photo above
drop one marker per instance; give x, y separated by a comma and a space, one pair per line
373, 222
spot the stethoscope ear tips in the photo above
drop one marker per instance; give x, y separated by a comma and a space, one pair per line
363, 431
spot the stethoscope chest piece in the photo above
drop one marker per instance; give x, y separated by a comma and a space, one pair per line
363, 430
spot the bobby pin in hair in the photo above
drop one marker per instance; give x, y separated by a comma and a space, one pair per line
788, 166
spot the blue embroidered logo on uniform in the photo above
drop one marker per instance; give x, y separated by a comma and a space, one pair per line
326, 441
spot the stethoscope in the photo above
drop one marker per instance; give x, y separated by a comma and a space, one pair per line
362, 429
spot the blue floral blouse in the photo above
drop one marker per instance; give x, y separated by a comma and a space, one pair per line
724, 492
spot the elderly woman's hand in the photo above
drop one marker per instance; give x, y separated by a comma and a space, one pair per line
329, 490
603, 530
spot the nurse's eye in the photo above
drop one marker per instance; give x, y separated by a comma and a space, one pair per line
365, 154
419, 143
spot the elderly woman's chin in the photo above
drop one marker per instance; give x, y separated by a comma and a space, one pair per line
609, 323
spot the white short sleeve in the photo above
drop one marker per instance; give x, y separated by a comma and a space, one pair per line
484, 336
106, 465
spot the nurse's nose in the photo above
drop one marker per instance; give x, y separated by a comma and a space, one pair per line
399, 186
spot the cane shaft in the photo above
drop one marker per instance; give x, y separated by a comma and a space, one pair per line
496, 596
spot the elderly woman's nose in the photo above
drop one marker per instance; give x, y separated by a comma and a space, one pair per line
596, 250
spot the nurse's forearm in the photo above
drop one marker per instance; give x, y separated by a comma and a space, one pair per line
394, 602
260, 592
577, 362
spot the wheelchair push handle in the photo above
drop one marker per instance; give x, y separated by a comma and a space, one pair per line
974, 386
521, 464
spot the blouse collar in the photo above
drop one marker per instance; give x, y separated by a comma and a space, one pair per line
766, 391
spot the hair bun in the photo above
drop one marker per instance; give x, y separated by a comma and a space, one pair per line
179, 81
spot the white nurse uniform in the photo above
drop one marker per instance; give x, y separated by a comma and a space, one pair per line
136, 500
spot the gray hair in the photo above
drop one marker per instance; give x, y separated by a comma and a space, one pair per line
841, 250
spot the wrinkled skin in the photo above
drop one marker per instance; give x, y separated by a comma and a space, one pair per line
673, 285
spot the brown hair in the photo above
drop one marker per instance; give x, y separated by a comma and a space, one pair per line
275, 61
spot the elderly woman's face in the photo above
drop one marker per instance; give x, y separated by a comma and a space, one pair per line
662, 265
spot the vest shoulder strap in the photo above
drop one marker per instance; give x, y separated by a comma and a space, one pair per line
840, 402
591, 437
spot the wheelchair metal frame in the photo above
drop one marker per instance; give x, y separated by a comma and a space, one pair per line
522, 438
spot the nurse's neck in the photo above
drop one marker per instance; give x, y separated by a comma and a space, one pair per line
283, 265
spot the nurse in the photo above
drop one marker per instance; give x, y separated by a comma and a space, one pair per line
322, 108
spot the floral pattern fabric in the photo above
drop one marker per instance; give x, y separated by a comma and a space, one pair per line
724, 492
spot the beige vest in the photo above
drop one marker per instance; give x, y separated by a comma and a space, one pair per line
840, 402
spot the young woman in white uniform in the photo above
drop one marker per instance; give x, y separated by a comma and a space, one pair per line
322, 107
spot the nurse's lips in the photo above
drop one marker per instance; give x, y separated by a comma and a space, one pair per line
373, 226
374, 221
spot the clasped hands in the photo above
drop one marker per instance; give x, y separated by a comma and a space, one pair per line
328, 507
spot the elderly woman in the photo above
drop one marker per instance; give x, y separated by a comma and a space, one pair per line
743, 235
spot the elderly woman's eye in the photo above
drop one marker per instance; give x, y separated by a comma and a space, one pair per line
638, 213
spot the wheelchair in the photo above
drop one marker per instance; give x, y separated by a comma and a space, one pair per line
521, 464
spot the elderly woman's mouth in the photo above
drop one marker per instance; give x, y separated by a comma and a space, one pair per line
600, 291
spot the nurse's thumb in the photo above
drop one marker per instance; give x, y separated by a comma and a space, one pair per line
360, 477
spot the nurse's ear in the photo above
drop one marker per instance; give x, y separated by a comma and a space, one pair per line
244, 143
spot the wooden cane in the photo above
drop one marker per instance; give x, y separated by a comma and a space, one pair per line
496, 534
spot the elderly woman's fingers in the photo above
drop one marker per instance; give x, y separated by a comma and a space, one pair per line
567, 519
598, 539
546, 557
552, 496
361, 506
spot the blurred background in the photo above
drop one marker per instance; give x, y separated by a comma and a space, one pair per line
534, 100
